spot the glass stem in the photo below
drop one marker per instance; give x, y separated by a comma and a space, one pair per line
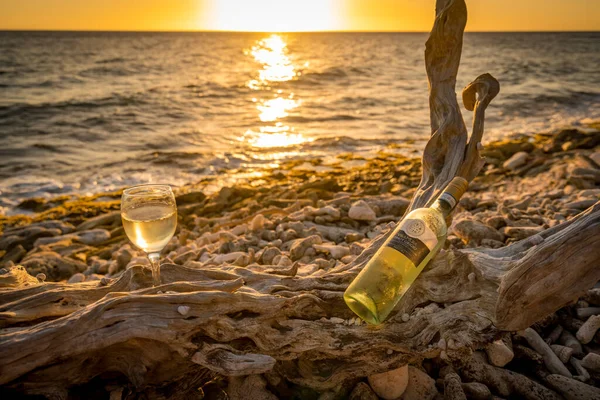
154, 260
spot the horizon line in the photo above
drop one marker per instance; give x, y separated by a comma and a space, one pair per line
282, 32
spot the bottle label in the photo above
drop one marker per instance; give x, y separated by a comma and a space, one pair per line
414, 239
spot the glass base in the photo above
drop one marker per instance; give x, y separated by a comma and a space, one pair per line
364, 307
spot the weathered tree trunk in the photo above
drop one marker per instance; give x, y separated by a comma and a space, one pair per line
231, 321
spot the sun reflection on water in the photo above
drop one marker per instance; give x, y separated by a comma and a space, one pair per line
271, 52
276, 68
272, 109
274, 136
279, 140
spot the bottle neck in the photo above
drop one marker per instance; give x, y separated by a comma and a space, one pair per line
444, 205
450, 196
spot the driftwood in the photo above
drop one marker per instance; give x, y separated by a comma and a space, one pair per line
168, 341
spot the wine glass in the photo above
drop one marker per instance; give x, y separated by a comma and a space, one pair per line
149, 215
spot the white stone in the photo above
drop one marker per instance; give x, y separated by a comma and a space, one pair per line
517, 160
228, 258
442, 344
336, 320
361, 211
183, 310
336, 252
391, 384
499, 353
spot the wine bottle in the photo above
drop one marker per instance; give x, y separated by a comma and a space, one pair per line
416, 239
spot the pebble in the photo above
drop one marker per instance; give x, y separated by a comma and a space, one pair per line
442, 345
227, 258
348, 259
499, 353
336, 252
300, 246
586, 312
474, 231
567, 339
123, 256
391, 384
361, 211
183, 310
405, 317
258, 222
93, 237
562, 352
591, 361
582, 374
336, 320
353, 237
105, 281
586, 333
100, 220
476, 391
551, 361
362, 391
522, 232
285, 261
269, 255
572, 389
580, 204
55, 267
452, 387
76, 278
420, 386
496, 221
517, 160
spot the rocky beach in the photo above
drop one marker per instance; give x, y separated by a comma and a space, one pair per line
305, 220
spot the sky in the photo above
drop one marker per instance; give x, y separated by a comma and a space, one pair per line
292, 15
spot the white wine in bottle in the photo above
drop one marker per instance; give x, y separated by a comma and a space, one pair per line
387, 276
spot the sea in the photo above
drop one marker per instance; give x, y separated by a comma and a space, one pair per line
86, 112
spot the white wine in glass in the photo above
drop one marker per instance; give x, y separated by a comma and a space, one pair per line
149, 215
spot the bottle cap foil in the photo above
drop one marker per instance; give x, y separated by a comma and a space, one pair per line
457, 187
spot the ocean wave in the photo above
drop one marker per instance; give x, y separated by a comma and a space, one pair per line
116, 100
104, 71
530, 105
337, 117
47, 146
56, 84
336, 72
213, 90
113, 60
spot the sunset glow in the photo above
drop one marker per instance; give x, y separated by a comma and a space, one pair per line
292, 15
273, 15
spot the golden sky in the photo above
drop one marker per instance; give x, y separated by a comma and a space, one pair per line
292, 15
